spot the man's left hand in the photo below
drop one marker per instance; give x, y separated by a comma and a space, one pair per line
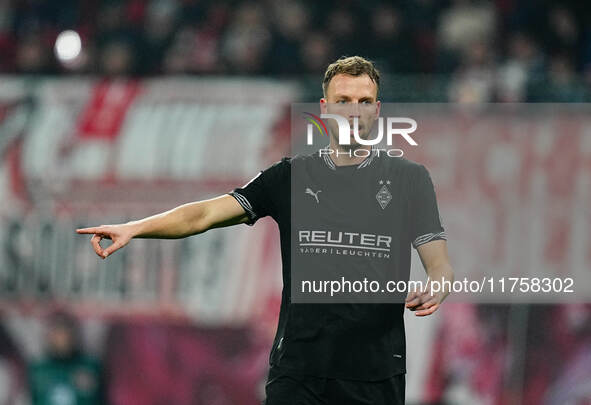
423, 302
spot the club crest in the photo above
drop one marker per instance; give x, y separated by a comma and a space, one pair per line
384, 196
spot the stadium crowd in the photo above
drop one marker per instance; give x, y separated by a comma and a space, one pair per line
502, 50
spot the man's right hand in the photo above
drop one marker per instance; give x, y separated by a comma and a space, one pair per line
120, 235
180, 222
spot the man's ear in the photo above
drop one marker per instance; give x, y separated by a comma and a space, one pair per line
378, 107
323, 105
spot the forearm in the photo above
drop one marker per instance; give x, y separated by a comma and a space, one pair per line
442, 273
182, 221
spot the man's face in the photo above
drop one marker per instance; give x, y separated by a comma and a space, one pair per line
60, 340
350, 97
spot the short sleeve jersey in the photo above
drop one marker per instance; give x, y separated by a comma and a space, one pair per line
358, 341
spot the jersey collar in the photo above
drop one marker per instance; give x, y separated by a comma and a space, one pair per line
366, 162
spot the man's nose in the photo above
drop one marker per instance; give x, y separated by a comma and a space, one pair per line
354, 109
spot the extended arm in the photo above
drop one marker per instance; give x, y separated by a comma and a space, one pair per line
182, 221
435, 260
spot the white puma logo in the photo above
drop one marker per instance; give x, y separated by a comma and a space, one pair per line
315, 194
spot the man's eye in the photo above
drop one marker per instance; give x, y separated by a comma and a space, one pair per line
341, 101
367, 102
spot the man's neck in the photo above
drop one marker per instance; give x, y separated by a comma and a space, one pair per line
344, 156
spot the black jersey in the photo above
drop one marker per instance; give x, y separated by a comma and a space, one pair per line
358, 341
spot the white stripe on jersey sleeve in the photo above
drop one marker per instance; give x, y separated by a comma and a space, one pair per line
421, 240
243, 201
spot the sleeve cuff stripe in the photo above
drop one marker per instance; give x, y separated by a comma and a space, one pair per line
245, 204
428, 238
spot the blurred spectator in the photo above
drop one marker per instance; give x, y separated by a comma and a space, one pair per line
474, 80
247, 39
524, 62
559, 84
316, 53
562, 34
421, 17
111, 22
466, 22
180, 54
392, 44
32, 56
158, 33
117, 59
291, 21
65, 376
194, 49
349, 37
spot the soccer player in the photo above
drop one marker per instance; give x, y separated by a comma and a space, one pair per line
335, 353
65, 375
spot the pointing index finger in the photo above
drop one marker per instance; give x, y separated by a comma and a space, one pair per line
88, 230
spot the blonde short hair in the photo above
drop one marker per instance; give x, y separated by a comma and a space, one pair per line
351, 65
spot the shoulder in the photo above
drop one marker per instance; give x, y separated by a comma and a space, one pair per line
283, 162
298, 160
276, 172
279, 166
